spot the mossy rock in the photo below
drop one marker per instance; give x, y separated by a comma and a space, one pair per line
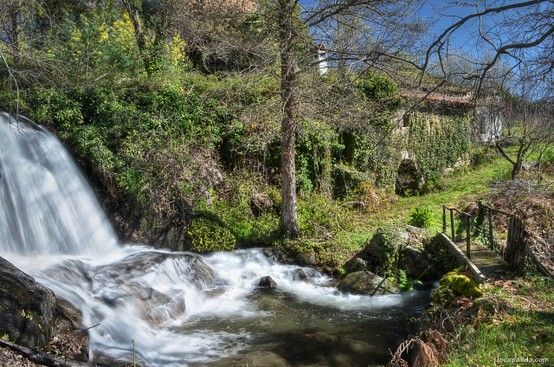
454, 285
382, 251
365, 282
205, 235
442, 259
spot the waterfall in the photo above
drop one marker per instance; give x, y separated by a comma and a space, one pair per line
46, 205
164, 308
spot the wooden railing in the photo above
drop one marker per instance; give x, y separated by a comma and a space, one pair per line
453, 227
517, 249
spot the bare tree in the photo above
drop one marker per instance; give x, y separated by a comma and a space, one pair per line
514, 33
527, 113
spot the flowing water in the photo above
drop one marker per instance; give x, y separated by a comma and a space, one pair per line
177, 309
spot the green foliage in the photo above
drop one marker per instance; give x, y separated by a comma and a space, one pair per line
438, 142
378, 87
320, 216
421, 217
514, 323
206, 236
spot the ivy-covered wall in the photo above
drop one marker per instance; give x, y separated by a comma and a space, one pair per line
437, 141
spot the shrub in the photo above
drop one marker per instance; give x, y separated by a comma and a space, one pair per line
205, 236
421, 217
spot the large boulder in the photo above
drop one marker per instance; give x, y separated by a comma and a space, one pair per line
381, 252
32, 316
365, 282
409, 179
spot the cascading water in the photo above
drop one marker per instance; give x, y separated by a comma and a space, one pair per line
46, 205
168, 308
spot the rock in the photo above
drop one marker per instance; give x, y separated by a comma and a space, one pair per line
417, 264
414, 236
189, 265
122, 283
365, 282
266, 282
409, 179
382, 250
260, 203
299, 274
31, 314
355, 264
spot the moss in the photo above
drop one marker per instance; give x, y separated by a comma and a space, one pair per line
383, 250
206, 236
454, 285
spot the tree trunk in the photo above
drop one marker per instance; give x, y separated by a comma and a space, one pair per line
289, 215
14, 37
134, 16
518, 164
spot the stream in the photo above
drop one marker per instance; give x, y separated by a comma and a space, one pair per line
176, 308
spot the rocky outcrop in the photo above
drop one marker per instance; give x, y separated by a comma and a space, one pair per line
32, 316
395, 249
365, 282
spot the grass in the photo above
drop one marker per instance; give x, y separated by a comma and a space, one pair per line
454, 188
522, 328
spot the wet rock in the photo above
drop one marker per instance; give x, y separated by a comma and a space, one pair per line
266, 282
367, 283
299, 274
214, 292
190, 266
30, 313
122, 283
355, 264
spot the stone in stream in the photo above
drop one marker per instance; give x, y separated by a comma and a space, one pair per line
122, 283
32, 316
266, 282
299, 274
367, 283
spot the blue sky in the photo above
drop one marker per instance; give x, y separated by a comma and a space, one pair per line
440, 16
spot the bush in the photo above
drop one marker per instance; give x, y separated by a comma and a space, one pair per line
421, 217
205, 236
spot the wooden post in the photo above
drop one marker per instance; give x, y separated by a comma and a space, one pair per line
444, 219
468, 236
516, 245
452, 223
491, 233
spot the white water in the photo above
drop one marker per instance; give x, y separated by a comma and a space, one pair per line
52, 227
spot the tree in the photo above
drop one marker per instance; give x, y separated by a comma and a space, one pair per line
526, 111
512, 81
321, 17
513, 33
287, 38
